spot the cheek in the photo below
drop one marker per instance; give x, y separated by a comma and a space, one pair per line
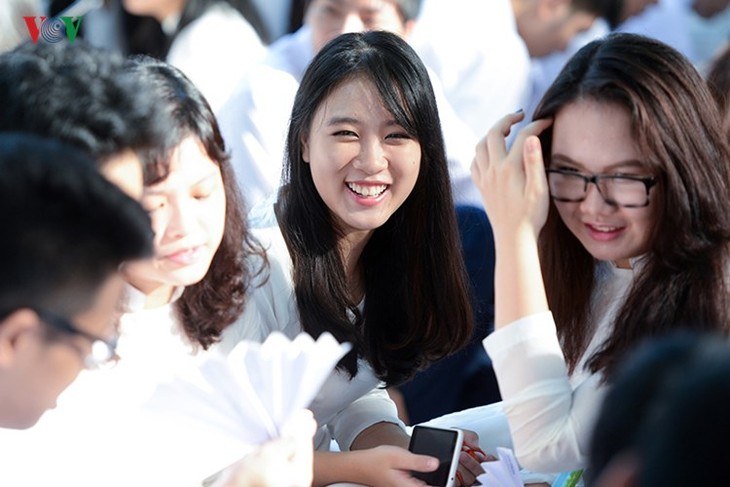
323, 182
325, 165
410, 168
645, 224
564, 212
63, 366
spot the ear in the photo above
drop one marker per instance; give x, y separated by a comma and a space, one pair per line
549, 10
305, 150
14, 331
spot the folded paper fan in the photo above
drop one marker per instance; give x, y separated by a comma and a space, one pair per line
219, 407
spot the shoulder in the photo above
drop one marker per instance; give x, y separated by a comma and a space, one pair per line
275, 286
271, 303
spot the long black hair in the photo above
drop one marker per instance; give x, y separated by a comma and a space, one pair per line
417, 306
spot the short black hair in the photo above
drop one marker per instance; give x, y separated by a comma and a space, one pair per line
66, 229
79, 94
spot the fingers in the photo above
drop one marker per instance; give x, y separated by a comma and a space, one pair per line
495, 138
532, 129
492, 147
470, 463
419, 463
534, 164
470, 458
471, 440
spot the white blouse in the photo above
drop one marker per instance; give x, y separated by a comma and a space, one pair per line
344, 407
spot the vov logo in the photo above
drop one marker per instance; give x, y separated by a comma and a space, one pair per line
53, 29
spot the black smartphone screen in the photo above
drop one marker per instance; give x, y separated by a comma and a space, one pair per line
439, 443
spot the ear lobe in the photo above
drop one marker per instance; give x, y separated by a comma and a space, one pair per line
14, 330
305, 151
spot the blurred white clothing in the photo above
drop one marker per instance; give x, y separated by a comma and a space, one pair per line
215, 51
476, 52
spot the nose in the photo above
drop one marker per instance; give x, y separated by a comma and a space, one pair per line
180, 219
372, 158
594, 201
353, 23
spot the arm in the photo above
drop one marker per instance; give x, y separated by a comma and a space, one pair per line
549, 421
369, 427
514, 189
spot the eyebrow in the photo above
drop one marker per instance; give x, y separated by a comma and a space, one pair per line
148, 191
354, 121
633, 163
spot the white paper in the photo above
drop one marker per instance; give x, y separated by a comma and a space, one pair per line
504, 472
251, 393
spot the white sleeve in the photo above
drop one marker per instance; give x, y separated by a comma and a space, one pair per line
551, 423
369, 409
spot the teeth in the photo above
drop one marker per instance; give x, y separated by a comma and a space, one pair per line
604, 229
367, 191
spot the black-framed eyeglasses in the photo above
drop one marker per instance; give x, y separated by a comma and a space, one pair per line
625, 191
102, 351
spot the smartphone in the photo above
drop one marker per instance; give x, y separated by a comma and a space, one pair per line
442, 443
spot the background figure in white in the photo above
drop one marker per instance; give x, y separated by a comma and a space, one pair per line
12, 27
215, 49
544, 70
499, 56
275, 16
477, 53
688, 34
254, 122
667, 21
696, 28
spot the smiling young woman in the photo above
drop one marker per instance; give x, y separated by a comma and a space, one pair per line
363, 244
616, 196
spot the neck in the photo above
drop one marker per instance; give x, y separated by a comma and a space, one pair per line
156, 295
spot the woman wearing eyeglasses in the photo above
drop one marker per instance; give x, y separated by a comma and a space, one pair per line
611, 223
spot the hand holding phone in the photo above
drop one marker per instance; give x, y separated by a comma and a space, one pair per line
442, 443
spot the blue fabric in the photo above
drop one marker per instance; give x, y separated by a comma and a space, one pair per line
465, 379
